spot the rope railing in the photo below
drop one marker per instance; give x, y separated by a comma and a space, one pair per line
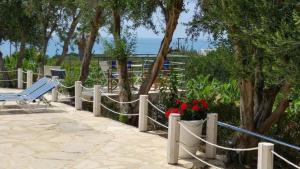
64, 86
129, 102
155, 121
8, 71
178, 63
65, 96
215, 145
86, 88
83, 99
161, 111
38, 74
285, 160
123, 114
199, 159
10, 80
257, 135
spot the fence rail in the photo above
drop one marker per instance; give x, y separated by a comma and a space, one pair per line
257, 135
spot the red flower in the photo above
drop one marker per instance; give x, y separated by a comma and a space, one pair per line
196, 108
183, 106
178, 102
172, 110
194, 102
167, 113
204, 103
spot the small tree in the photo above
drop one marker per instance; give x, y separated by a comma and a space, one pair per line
263, 36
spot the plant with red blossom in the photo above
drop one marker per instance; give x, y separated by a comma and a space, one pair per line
191, 110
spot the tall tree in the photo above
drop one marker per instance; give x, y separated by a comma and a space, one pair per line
118, 10
28, 32
66, 29
94, 25
122, 12
6, 32
171, 11
260, 33
49, 13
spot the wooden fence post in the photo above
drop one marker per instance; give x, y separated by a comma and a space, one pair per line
78, 94
143, 113
29, 78
173, 139
55, 90
109, 81
20, 78
211, 135
265, 156
97, 101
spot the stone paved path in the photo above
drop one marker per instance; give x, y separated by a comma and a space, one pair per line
69, 139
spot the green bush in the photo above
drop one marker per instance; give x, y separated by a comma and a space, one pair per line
222, 97
217, 64
288, 127
30, 61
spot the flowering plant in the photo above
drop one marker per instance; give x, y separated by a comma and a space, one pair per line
192, 110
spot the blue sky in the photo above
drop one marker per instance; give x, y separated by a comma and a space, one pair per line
185, 17
55, 46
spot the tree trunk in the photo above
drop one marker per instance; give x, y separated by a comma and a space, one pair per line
22, 52
81, 43
43, 56
95, 25
46, 37
123, 83
68, 39
172, 21
257, 103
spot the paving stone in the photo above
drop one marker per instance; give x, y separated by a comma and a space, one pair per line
64, 138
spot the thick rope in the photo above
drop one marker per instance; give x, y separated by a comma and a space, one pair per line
158, 122
65, 96
129, 102
86, 100
100, 90
155, 107
118, 112
204, 162
8, 71
284, 159
177, 63
215, 145
86, 88
8, 80
67, 87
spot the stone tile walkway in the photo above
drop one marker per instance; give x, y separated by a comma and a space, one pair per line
62, 137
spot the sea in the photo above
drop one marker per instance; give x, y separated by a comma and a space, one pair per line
142, 46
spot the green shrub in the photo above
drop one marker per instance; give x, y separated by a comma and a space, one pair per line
223, 97
288, 127
217, 64
30, 61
